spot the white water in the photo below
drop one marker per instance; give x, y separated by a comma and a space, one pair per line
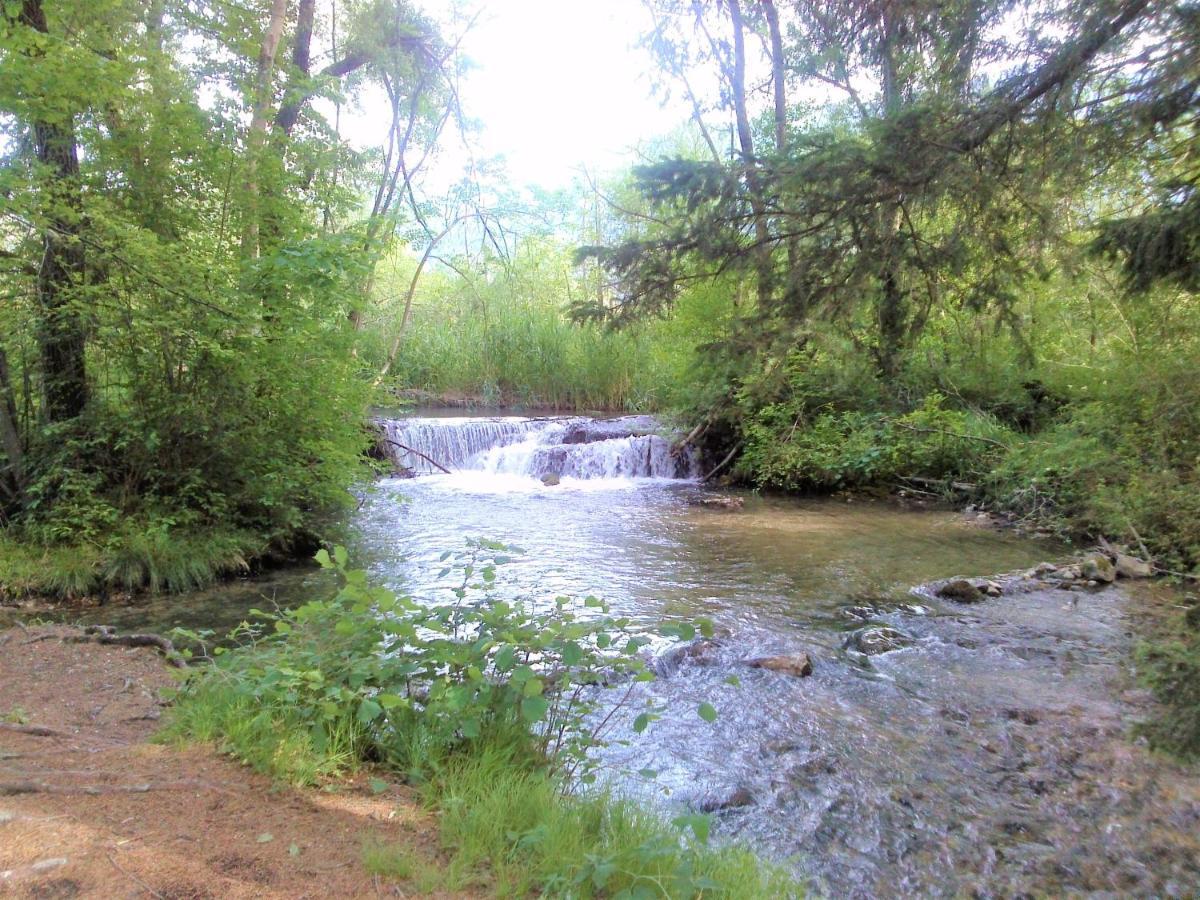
507, 453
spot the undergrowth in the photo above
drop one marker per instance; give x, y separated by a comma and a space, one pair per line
494, 709
1170, 666
132, 558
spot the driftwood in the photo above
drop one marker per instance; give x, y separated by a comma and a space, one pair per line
961, 486
432, 462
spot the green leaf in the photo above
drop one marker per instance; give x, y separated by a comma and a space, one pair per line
341, 556
323, 559
533, 688
534, 709
641, 722
707, 712
368, 711
505, 658
733, 680
378, 785
572, 653
265, 838
294, 850
390, 701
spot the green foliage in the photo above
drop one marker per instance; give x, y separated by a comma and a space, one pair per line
501, 334
1170, 665
514, 828
130, 558
370, 672
790, 448
491, 706
213, 399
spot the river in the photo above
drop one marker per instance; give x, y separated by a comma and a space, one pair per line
992, 754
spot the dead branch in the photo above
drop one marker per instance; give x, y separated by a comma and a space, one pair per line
953, 434
962, 486
432, 462
723, 463
151, 891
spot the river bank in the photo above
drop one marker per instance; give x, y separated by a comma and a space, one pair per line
91, 806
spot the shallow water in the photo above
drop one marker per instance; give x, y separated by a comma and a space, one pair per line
990, 756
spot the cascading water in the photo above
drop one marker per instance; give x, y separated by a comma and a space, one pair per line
574, 447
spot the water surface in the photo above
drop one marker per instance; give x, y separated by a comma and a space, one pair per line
991, 756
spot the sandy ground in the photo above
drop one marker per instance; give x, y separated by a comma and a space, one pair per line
90, 808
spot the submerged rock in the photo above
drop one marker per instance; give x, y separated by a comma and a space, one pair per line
698, 652
876, 640
718, 502
735, 800
608, 429
798, 664
961, 591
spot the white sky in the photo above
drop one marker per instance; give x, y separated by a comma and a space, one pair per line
556, 85
560, 84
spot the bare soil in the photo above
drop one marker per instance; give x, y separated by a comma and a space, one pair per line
89, 807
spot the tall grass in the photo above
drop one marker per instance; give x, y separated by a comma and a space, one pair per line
505, 823
528, 354
131, 559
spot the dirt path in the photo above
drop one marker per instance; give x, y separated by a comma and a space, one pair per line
90, 808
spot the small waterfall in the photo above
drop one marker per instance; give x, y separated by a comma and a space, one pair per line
566, 447
452, 442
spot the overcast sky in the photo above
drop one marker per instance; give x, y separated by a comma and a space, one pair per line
559, 83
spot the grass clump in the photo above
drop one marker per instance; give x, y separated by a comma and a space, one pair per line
490, 707
515, 825
134, 557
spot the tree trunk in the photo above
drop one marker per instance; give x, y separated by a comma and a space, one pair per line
261, 117
12, 482
61, 336
298, 90
892, 304
762, 235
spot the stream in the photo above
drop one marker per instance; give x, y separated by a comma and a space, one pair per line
992, 754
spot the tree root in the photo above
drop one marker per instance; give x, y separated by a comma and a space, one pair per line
35, 730
106, 634
14, 788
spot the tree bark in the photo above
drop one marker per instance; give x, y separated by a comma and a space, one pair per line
762, 234
13, 483
298, 90
260, 118
61, 335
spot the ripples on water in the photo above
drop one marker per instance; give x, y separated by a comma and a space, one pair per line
990, 755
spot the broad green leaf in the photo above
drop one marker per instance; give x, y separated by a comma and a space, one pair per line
534, 709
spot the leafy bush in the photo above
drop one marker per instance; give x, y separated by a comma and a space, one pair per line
373, 674
789, 449
494, 707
